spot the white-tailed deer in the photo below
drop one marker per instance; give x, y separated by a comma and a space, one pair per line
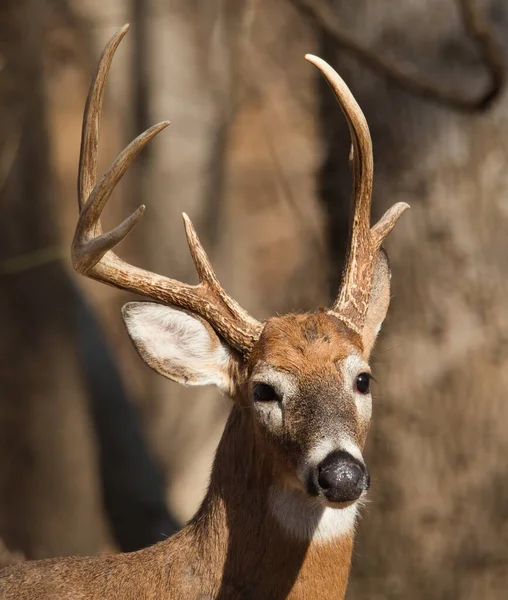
278, 518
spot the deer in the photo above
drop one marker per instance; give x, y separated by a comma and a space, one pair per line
278, 518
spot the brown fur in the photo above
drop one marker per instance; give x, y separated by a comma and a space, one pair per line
303, 343
233, 548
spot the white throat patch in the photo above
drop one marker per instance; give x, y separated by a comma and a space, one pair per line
306, 518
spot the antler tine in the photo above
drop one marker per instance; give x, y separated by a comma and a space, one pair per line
361, 151
87, 171
352, 300
387, 222
92, 249
91, 243
207, 275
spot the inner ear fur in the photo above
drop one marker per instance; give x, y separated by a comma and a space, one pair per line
378, 302
179, 345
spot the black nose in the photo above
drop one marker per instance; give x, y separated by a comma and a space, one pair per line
342, 477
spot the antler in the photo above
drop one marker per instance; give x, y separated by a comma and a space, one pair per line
352, 301
92, 249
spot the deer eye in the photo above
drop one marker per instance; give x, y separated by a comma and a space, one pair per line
363, 383
262, 392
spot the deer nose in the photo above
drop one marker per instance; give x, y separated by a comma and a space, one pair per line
342, 477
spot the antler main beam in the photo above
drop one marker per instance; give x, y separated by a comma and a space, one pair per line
352, 301
92, 253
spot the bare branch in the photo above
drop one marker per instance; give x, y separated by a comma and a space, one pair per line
477, 28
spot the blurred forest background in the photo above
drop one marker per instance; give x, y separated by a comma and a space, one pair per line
98, 453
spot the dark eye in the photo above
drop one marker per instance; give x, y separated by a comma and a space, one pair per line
363, 383
262, 392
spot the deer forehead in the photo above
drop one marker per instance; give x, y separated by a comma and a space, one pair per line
306, 347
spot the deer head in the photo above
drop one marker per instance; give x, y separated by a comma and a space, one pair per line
304, 379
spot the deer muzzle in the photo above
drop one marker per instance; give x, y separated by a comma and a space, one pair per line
340, 478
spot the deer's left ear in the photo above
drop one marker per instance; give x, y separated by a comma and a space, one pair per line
378, 303
180, 345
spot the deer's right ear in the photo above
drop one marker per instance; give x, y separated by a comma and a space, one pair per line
179, 345
378, 303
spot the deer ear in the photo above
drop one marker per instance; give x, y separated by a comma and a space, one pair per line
378, 303
178, 345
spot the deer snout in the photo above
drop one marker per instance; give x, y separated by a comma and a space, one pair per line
341, 477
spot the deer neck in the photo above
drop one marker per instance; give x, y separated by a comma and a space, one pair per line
252, 539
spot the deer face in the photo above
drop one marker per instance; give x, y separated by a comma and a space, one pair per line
306, 384
308, 389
